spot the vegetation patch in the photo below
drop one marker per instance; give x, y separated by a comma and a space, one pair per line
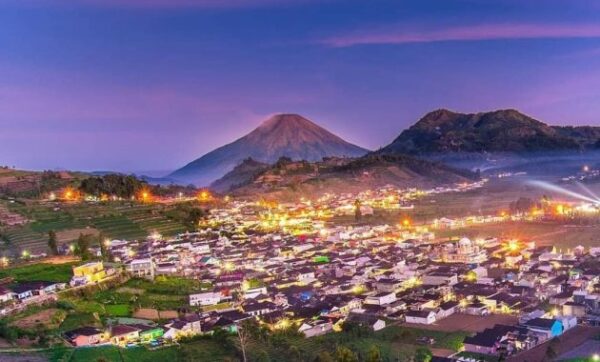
61, 273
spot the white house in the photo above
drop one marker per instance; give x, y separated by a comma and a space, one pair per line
306, 275
314, 328
447, 309
202, 299
420, 317
254, 292
141, 268
381, 298
439, 278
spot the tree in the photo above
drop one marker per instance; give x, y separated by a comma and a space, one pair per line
243, 340
52, 242
106, 256
522, 205
373, 355
551, 353
263, 356
423, 354
343, 354
324, 357
357, 211
221, 336
83, 246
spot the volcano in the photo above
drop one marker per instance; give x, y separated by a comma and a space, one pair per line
282, 135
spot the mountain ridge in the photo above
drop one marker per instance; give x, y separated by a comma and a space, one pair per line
286, 179
504, 130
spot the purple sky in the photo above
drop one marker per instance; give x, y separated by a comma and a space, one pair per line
138, 85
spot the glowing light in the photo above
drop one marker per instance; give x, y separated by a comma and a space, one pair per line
586, 168
596, 357
145, 196
283, 324
561, 190
229, 266
406, 222
25, 254
358, 289
69, 194
471, 276
204, 195
513, 245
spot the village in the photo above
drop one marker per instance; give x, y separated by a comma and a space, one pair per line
292, 266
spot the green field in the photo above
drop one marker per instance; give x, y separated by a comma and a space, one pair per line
119, 220
46, 272
393, 343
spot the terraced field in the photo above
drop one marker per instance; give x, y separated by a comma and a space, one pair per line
116, 220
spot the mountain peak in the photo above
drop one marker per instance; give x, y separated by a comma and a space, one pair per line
287, 120
281, 135
504, 130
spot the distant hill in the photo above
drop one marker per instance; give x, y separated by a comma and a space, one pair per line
240, 175
287, 179
443, 131
283, 135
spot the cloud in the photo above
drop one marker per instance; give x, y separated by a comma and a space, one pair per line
466, 33
160, 4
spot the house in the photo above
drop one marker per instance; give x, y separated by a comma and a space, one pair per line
388, 285
420, 316
166, 268
305, 275
547, 328
502, 303
447, 309
5, 294
85, 336
574, 309
149, 333
312, 328
259, 308
366, 320
182, 327
476, 308
122, 334
87, 273
141, 268
439, 278
202, 299
32, 289
381, 298
252, 293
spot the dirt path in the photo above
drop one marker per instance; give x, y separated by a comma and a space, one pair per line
467, 323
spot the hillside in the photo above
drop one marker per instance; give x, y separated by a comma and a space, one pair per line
502, 131
240, 175
283, 135
288, 179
